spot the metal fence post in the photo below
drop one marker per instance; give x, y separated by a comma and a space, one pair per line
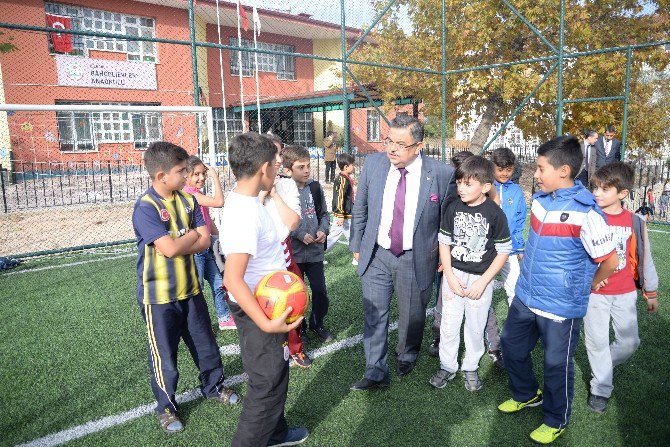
626, 94
559, 93
2, 183
109, 178
194, 57
443, 127
345, 95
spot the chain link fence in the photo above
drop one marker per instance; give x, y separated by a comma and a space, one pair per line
480, 76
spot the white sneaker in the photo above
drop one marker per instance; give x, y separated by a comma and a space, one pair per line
325, 262
354, 261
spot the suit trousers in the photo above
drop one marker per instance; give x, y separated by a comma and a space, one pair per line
166, 325
520, 334
265, 360
387, 274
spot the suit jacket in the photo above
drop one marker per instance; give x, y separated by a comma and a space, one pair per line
589, 162
435, 178
614, 155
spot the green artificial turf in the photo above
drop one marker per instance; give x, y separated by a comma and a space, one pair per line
73, 350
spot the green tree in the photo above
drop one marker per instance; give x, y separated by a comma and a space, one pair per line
481, 33
6, 45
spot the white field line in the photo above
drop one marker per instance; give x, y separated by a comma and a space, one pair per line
50, 267
658, 231
110, 421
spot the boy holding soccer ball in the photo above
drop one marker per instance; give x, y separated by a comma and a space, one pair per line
568, 254
252, 248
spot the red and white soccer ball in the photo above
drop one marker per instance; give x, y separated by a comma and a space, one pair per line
279, 290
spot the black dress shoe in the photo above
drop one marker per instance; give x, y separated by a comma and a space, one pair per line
368, 384
404, 368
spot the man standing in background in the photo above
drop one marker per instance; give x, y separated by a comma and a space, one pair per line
329, 150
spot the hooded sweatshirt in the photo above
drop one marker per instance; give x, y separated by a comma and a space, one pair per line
310, 223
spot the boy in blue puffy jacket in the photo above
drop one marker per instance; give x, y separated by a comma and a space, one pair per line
513, 204
568, 254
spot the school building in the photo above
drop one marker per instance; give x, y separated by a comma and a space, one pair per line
300, 98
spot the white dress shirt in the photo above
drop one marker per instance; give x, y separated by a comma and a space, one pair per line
413, 179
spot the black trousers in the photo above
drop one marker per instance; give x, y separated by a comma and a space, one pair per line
317, 282
265, 360
330, 170
167, 323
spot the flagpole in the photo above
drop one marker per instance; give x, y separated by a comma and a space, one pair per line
223, 88
258, 92
239, 60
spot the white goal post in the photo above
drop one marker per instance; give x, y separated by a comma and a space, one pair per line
122, 108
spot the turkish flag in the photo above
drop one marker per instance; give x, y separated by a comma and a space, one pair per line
62, 42
243, 16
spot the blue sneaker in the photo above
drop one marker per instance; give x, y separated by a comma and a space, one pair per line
294, 436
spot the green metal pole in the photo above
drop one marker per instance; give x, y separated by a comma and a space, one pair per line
624, 129
194, 57
372, 25
559, 93
529, 25
367, 95
518, 109
599, 99
345, 96
443, 129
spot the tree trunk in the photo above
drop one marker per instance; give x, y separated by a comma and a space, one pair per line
481, 135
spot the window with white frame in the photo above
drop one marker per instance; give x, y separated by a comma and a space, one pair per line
282, 64
235, 128
82, 131
95, 20
303, 129
373, 126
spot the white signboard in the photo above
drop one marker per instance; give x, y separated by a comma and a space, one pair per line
85, 72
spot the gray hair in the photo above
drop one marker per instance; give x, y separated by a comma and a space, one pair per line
409, 122
588, 133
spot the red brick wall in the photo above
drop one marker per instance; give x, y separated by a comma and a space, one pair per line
359, 129
30, 77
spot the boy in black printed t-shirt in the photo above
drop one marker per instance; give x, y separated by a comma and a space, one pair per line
474, 245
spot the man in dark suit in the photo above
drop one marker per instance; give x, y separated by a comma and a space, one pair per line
608, 148
396, 218
589, 153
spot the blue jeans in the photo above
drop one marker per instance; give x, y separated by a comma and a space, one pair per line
208, 270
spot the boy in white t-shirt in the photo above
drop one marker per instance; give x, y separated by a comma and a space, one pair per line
252, 247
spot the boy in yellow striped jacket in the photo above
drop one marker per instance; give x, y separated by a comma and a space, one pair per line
169, 229
343, 201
